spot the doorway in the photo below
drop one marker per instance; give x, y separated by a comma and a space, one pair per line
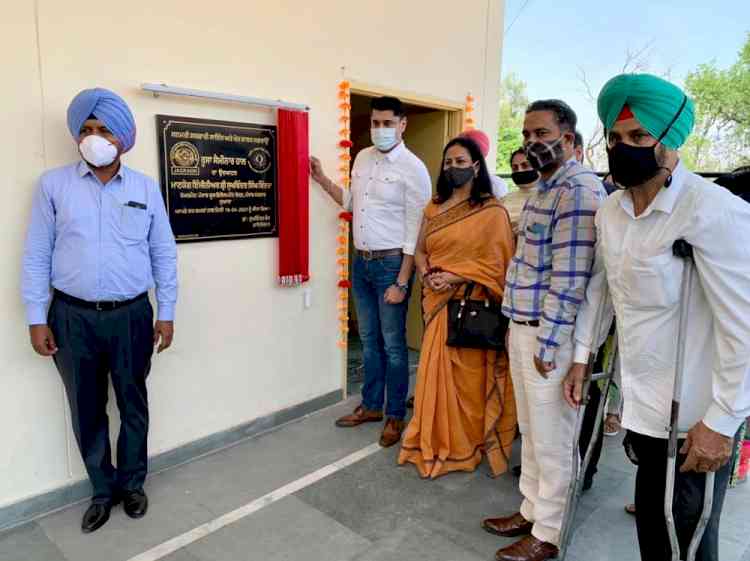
430, 125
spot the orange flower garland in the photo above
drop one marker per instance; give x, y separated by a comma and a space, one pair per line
469, 113
345, 218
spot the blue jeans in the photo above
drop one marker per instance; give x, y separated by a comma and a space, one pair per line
382, 328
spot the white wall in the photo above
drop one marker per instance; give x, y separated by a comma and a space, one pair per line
243, 348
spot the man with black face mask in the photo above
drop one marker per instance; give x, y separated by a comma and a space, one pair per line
544, 288
647, 119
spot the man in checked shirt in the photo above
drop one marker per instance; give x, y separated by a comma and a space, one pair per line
544, 288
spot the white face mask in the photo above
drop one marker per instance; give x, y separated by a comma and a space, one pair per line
384, 138
97, 151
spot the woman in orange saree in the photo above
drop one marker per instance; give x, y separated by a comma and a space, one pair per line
463, 406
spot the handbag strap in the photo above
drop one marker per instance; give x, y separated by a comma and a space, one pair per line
470, 286
468, 292
437, 310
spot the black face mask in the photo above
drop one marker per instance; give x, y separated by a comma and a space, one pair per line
458, 177
544, 156
525, 177
633, 165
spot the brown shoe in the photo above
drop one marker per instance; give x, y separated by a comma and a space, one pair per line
508, 527
360, 415
527, 549
391, 432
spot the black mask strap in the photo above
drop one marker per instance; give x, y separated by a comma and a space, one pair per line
668, 181
674, 119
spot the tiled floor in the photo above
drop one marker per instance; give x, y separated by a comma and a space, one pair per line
369, 511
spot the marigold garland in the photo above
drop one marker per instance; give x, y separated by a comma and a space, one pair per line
344, 145
469, 112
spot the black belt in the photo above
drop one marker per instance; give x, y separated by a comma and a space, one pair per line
378, 253
532, 323
98, 306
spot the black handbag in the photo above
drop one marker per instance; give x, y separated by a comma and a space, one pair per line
476, 324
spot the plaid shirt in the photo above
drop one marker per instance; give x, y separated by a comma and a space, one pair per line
556, 235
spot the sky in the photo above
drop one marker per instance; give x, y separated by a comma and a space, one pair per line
551, 40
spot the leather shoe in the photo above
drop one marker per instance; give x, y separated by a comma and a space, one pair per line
135, 503
527, 549
508, 527
391, 432
360, 415
96, 516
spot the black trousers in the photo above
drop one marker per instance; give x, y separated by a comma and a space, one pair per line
653, 539
92, 346
587, 432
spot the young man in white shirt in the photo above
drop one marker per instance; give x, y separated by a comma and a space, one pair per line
647, 120
390, 188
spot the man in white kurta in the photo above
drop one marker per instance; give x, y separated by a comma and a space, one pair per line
647, 119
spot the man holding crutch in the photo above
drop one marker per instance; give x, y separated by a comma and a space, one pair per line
647, 120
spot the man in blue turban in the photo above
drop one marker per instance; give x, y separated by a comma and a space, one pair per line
108, 108
647, 120
98, 240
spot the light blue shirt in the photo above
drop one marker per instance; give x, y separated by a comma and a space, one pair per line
98, 242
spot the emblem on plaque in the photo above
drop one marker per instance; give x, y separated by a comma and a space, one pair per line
259, 160
184, 155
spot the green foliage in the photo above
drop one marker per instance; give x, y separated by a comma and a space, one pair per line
513, 102
721, 139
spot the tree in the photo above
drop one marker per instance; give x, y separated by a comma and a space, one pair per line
594, 151
721, 139
513, 102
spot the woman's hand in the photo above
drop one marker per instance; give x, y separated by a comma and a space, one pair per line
444, 280
429, 281
450, 278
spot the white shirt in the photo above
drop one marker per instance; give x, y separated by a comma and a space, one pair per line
634, 257
388, 196
499, 186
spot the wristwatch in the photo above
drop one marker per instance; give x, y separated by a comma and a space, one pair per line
402, 287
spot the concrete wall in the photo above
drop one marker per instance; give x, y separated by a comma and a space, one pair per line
243, 348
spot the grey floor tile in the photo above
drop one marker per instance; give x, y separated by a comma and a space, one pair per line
181, 555
608, 534
236, 476
731, 549
288, 529
28, 542
374, 498
171, 512
414, 542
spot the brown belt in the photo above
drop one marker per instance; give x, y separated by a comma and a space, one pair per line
532, 323
378, 253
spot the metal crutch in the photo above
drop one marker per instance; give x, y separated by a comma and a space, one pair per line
579, 467
683, 250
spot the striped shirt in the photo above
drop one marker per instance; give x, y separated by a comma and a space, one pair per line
556, 236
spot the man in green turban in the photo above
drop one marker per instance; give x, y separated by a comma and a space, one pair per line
646, 121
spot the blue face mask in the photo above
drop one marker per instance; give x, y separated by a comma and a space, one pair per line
384, 138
